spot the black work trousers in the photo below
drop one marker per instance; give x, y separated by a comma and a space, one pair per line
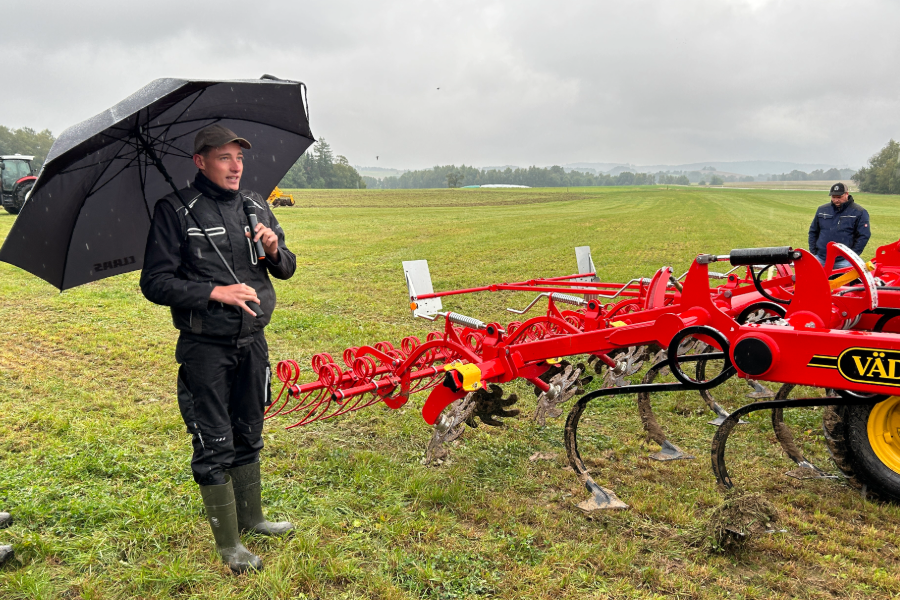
222, 393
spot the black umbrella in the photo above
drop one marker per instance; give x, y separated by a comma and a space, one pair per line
89, 212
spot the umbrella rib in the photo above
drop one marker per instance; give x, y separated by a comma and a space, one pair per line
95, 164
111, 179
180, 154
177, 120
142, 174
186, 108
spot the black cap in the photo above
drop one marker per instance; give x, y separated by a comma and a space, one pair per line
838, 189
215, 136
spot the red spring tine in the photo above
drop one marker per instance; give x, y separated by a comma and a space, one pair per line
408, 344
511, 328
288, 371
330, 375
319, 360
306, 402
364, 367
350, 356
384, 346
475, 340
314, 413
266, 414
434, 335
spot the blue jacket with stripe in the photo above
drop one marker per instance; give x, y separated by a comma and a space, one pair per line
847, 224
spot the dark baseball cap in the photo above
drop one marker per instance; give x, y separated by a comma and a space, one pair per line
838, 189
215, 136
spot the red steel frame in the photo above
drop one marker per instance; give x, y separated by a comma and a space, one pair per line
811, 346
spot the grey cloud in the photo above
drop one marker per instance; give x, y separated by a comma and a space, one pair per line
644, 81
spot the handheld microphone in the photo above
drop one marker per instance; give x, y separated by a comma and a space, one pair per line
256, 308
251, 216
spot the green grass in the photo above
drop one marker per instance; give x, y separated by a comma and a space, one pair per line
94, 460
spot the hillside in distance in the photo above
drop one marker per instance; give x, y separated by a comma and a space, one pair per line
746, 167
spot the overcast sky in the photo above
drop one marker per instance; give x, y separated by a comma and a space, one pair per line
521, 82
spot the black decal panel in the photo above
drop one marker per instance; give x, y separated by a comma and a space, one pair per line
870, 365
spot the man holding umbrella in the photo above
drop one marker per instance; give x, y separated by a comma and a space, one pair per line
198, 245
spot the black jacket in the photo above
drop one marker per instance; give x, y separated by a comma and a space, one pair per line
848, 225
180, 267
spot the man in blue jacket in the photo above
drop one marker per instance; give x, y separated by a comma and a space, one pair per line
842, 221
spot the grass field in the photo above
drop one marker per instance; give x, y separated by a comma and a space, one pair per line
820, 186
94, 460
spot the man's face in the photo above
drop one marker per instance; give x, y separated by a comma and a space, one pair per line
839, 200
223, 165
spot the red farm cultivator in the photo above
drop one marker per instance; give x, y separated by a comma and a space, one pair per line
777, 316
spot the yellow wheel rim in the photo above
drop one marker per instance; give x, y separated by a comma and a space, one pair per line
884, 432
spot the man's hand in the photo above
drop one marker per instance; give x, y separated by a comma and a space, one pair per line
269, 240
235, 295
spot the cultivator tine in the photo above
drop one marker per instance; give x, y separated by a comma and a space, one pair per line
720, 439
805, 469
759, 391
601, 497
670, 451
721, 413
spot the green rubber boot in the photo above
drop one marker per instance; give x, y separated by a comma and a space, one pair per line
220, 510
6, 552
247, 492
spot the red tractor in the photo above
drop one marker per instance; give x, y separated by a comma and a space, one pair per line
16, 180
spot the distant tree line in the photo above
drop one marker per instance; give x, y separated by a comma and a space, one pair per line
817, 175
882, 175
453, 176
319, 168
26, 141
670, 179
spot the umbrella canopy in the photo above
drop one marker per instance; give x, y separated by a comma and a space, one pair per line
89, 212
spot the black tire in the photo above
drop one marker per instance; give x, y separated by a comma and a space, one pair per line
19, 196
847, 437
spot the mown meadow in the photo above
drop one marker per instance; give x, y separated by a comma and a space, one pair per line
94, 459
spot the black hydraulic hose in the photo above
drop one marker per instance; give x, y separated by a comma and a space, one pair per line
759, 288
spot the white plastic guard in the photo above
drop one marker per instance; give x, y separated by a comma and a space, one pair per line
585, 263
418, 281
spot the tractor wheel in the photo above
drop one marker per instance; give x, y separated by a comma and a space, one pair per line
864, 442
19, 196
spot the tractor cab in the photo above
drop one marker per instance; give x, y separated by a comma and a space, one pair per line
16, 180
